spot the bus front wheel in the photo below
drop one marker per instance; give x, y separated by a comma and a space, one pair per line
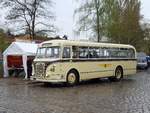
72, 78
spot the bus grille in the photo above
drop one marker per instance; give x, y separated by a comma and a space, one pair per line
40, 69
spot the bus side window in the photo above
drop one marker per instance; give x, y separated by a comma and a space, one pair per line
89, 55
83, 52
66, 52
115, 53
123, 53
106, 53
94, 52
75, 51
131, 53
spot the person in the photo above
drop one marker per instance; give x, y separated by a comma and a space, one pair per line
95, 55
89, 55
65, 37
29, 67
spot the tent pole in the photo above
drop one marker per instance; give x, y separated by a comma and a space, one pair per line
24, 58
5, 66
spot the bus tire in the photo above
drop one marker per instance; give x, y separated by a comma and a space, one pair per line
118, 73
72, 78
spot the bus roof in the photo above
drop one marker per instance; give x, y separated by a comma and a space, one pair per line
82, 43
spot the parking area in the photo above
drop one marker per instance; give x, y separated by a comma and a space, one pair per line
132, 95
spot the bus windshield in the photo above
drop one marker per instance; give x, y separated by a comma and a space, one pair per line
48, 52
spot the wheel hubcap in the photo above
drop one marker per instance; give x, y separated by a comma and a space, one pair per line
71, 78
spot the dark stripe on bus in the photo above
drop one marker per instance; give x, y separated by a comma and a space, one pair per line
97, 71
95, 60
106, 70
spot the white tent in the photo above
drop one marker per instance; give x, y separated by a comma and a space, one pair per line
22, 49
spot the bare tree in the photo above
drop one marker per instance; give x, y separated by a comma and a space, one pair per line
34, 16
90, 14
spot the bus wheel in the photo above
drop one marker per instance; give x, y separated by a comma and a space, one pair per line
72, 78
118, 74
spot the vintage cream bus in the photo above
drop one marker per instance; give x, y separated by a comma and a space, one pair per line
75, 61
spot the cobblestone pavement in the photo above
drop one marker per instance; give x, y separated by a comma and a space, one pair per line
132, 95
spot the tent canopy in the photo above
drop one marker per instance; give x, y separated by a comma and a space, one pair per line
19, 48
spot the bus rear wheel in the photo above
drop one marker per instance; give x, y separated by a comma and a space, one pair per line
118, 74
72, 78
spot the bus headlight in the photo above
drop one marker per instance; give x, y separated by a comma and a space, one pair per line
47, 75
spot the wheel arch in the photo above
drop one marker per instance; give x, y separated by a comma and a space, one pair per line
114, 78
121, 67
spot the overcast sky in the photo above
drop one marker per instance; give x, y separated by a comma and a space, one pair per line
145, 9
64, 16
64, 11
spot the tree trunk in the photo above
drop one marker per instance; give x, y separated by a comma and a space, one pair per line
97, 21
33, 19
33, 30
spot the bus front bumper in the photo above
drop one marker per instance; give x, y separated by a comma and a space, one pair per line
47, 80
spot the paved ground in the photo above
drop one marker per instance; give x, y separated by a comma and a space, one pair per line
132, 95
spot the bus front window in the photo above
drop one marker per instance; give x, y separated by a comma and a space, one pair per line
41, 53
52, 52
49, 52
